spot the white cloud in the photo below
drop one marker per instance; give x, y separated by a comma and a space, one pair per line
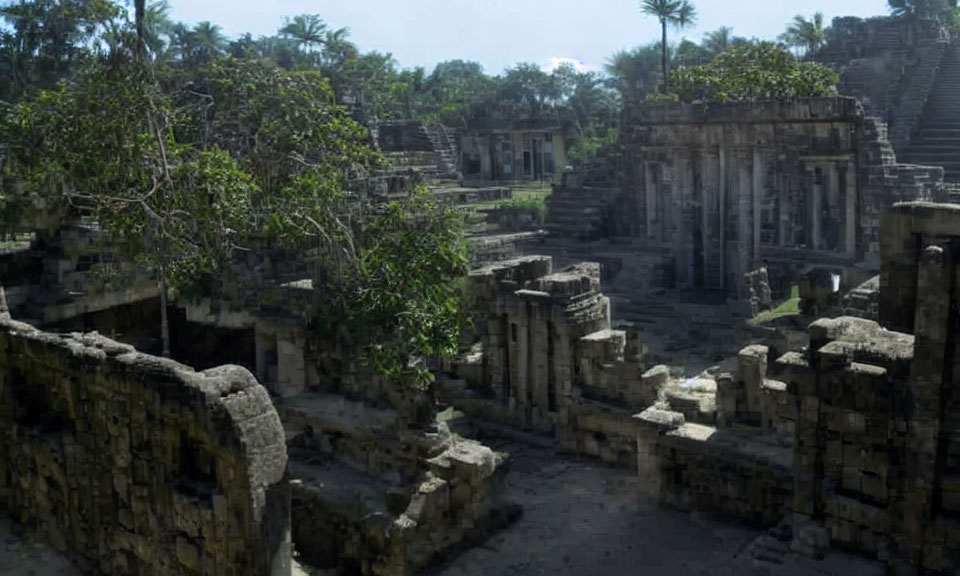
578, 65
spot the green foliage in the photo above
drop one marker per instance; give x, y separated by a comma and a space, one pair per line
530, 208
586, 149
676, 13
790, 307
809, 35
758, 71
401, 300
105, 145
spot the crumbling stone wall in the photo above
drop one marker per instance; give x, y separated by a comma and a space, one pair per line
727, 471
457, 502
139, 465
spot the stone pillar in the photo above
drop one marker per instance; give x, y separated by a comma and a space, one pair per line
651, 192
785, 213
816, 210
521, 383
850, 212
653, 424
683, 188
722, 215
751, 372
263, 342
833, 196
744, 212
538, 343
898, 271
930, 354
759, 178
291, 365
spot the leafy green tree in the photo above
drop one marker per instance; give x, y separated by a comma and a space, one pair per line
757, 71
808, 35
307, 30
404, 296
689, 53
718, 40
104, 145
677, 13
44, 41
635, 71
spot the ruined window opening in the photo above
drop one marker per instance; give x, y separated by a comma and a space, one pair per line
513, 332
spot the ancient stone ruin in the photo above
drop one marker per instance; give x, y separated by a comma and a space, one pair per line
744, 311
135, 464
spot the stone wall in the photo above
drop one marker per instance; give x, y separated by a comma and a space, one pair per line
139, 465
395, 532
720, 471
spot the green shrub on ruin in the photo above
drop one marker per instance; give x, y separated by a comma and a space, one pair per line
750, 72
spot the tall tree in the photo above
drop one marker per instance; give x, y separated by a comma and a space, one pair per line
718, 40
676, 13
307, 30
635, 71
808, 35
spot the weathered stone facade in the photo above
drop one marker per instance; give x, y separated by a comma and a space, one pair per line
710, 192
139, 465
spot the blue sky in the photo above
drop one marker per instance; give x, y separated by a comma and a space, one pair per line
499, 33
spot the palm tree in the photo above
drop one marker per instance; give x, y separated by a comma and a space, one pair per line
154, 25
717, 41
635, 71
337, 49
208, 41
678, 13
306, 30
810, 35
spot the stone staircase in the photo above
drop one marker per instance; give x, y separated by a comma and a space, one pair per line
576, 213
445, 146
937, 142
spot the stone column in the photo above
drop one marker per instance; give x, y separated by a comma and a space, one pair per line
926, 375
898, 271
850, 212
833, 196
751, 372
522, 382
816, 211
744, 212
651, 192
681, 236
538, 342
722, 216
759, 177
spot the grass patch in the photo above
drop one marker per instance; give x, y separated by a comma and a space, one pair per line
790, 307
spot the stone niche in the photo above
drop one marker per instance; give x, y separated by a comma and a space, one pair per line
134, 464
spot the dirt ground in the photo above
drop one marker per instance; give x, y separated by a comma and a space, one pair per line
580, 518
584, 519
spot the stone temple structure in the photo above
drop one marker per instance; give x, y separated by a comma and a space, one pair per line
707, 193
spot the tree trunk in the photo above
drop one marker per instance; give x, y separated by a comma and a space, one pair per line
663, 53
140, 10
